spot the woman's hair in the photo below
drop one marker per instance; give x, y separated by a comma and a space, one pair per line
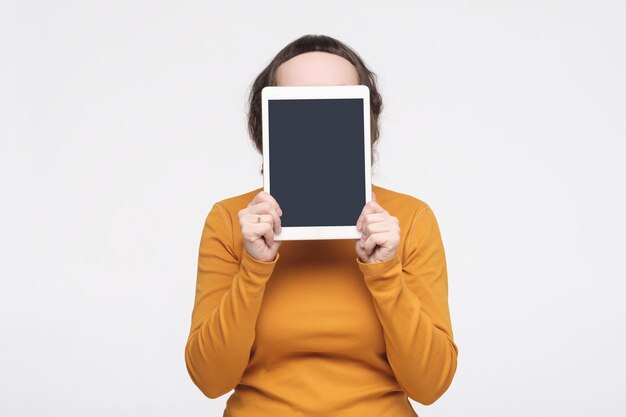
311, 43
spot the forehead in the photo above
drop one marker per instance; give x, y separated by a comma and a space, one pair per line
316, 68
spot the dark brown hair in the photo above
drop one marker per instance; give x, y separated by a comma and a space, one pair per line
311, 43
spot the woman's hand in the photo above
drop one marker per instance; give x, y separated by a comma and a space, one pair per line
381, 233
258, 236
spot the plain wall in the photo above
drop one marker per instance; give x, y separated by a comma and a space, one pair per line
123, 122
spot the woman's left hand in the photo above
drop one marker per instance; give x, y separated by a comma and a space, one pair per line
380, 233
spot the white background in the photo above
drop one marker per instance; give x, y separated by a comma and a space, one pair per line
122, 122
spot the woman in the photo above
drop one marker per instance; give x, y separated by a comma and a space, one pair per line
326, 327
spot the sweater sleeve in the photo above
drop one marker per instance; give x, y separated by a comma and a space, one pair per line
228, 298
411, 301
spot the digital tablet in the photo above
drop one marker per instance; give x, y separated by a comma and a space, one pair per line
317, 158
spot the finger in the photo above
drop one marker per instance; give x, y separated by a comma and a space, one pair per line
372, 218
266, 208
264, 218
370, 207
362, 250
377, 208
376, 239
264, 196
264, 230
377, 227
275, 203
268, 234
272, 219
367, 208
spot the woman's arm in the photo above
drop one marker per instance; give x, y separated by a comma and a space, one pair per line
411, 301
228, 298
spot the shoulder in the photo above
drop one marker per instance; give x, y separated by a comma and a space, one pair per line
415, 215
232, 204
418, 224
400, 203
223, 213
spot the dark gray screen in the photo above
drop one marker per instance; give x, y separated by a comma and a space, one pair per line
317, 171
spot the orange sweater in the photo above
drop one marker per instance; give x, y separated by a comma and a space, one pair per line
316, 332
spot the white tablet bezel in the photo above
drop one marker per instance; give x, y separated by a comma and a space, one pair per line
317, 92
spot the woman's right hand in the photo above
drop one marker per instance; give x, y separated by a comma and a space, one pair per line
258, 237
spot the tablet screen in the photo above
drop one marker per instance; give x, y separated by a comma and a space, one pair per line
317, 161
